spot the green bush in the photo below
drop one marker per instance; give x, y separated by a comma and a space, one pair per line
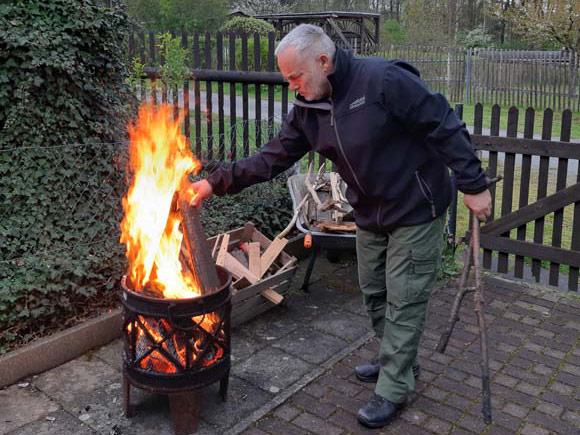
64, 103
476, 38
248, 25
393, 33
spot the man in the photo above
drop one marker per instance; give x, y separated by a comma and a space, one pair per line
392, 141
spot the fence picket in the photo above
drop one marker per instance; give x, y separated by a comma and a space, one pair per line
542, 189
220, 89
524, 187
508, 183
245, 108
492, 172
271, 89
197, 96
208, 98
233, 98
186, 121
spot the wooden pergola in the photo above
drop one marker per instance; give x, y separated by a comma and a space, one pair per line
358, 31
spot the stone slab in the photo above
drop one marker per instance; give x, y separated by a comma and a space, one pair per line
22, 405
271, 368
310, 345
60, 422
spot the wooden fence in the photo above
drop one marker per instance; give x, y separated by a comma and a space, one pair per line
539, 196
538, 79
536, 210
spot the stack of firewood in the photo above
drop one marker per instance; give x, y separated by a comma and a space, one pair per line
260, 269
324, 205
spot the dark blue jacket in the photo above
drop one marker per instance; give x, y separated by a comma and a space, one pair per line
389, 136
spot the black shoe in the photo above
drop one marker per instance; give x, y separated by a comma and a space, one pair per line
378, 412
368, 371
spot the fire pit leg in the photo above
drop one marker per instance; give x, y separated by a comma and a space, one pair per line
127, 398
185, 409
224, 382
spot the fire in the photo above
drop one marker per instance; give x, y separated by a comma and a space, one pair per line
159, 161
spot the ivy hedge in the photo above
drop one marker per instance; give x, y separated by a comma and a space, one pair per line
65, 102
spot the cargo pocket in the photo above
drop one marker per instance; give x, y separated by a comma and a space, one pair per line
422, 274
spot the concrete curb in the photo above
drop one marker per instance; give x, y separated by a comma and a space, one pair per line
298, 385
59, 348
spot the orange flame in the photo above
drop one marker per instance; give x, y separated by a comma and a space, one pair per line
159, 161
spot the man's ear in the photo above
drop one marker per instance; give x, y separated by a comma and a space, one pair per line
325, 62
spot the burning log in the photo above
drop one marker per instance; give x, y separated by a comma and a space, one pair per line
201, 261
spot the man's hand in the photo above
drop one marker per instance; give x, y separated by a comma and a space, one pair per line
479, 204
202, 191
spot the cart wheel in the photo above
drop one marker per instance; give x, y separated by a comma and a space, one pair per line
333, 256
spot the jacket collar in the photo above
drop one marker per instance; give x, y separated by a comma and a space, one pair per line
342, 63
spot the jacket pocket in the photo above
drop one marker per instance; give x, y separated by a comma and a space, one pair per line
427, 193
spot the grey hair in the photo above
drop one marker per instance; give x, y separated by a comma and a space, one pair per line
307, 38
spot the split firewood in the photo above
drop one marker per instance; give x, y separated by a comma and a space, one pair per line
254, 258
310, 186
273, 296
238, 270
270, 255
221, 255
239, 255
327, 225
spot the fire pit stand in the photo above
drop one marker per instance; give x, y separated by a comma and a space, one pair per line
176, 347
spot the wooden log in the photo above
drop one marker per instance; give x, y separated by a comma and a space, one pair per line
196, 242
333, 226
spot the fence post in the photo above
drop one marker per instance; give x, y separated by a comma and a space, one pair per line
452, 218
467, 77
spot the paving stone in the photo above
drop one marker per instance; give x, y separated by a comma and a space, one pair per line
349, 404
349, 328
272, 367
551, 409
279, 427
506, 420
473, 424
316, 389
20, 406
572, 417
532, 390
243, 398
59, 422
244, 345
459, 402
314, 424
532, 429
561, 388
350, 424
558, 426
569, 379
312, 405
437, 426
70, 381
413, 416
286, 412
311, 345
112, 354
435, 393
515, 410
254, 431
349, 388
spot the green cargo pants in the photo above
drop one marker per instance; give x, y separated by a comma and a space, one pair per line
397, 273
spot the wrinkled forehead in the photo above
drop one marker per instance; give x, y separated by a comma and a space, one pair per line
292, 62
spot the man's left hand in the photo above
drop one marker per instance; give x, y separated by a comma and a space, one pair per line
479, 204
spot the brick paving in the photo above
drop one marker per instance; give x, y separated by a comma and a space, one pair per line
292, 371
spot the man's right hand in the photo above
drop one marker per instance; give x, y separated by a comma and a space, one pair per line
203, 190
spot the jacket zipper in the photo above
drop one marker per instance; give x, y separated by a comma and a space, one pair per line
333, 124
429, 197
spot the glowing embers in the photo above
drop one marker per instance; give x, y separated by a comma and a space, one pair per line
158, 347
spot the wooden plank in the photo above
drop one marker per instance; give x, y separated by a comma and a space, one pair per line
152, 63
233, 115
542, 189
271, 254
492, 172
258, 92
221, 256
208, 100
254, 258
477, 121
186, 120
529, 249
197, 96
258, 305
561, 178
272, 296
237, 269
247, 231
220, 86
533, 147
245, 100
538, 209
271, 102
269, 282
524, 188
508, 184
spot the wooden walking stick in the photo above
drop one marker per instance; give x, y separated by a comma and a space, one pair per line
472, 259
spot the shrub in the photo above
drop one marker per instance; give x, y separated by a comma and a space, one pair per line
476, 38
248, 25
393, 33
65, 107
